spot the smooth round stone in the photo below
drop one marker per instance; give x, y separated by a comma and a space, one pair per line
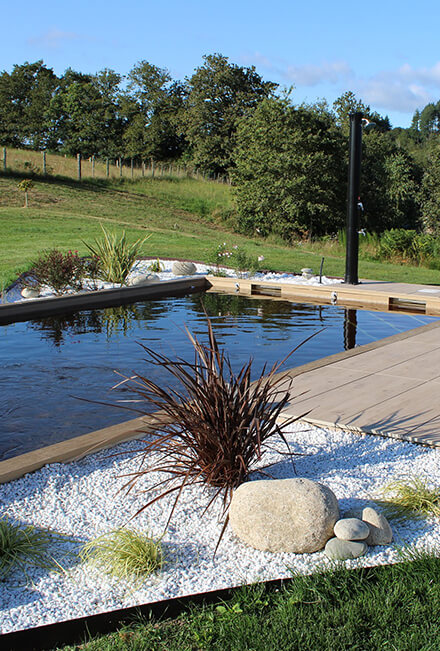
307, 273
351, 529
143, 279
380, 530
30, 292
341, 550
184, 268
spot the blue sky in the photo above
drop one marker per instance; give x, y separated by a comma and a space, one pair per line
386, 52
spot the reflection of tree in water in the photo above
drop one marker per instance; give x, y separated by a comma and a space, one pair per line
283, 314
111, 321
55, 328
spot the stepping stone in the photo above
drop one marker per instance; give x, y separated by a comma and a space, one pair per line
143, 279
184, 268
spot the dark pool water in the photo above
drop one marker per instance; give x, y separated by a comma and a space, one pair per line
46, 364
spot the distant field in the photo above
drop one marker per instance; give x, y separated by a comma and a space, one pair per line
187, 217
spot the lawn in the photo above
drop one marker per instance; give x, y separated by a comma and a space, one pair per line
187, 217
393, 607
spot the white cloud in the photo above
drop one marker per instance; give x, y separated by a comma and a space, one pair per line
54, 38
302, 75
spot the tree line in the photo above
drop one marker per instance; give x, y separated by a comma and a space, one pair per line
287, 162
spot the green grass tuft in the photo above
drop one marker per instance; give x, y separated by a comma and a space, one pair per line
22, 546
124, 554
411, 498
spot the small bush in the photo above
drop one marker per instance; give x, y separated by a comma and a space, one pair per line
397, 242
217, 424
124, 554
59, 270
116, 256
234, 257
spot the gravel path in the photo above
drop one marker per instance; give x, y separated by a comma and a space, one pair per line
81, 499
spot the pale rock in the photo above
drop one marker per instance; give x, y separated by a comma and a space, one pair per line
351, 529
284, 515
341, 550
30, 292
143, 279
184, 268
380, 530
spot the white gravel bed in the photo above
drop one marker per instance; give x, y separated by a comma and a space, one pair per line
142, 267
81, 499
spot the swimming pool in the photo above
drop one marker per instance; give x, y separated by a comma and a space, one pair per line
48, 363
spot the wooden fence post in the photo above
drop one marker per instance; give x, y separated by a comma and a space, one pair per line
132, 168
120, 167
143, 169
93, 166
78, 159
44, 163
4, 159
107, 168
152, 168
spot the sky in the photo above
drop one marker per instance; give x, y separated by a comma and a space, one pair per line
385, 52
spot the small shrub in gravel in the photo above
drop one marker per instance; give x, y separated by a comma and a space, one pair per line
59, 270
411, 497
218, 423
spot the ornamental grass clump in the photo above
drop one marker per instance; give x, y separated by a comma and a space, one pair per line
124, 554
411, 497
215, 427
23, 546
116, 256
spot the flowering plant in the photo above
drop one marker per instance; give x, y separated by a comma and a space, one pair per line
59, 270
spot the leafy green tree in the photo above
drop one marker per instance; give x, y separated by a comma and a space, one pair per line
85, 114
151, 106
402, 189
430, 191
290, 176
430, 120
348, 103
25, 95
218, 94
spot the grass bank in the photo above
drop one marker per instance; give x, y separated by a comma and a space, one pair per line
393, 607
187, 217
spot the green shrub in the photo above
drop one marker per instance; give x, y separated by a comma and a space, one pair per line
124, 554
116, 256
59, 270
234, 257
156, 266
398, 242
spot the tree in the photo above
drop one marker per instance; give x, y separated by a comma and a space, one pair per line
402, 185
430, 120
151, 106
25, 95
217, 95
290, 176
85, 114
348, 103
430, 192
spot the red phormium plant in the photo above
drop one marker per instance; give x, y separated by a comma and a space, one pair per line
216, 426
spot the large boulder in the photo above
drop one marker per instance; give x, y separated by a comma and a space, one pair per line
184, 268
284, 515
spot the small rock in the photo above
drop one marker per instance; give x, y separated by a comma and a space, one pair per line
143, 279
380, 530
341, 550
307, 273
184, 268
351, 529
284, 515
30, 292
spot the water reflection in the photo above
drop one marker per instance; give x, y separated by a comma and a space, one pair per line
350, 328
